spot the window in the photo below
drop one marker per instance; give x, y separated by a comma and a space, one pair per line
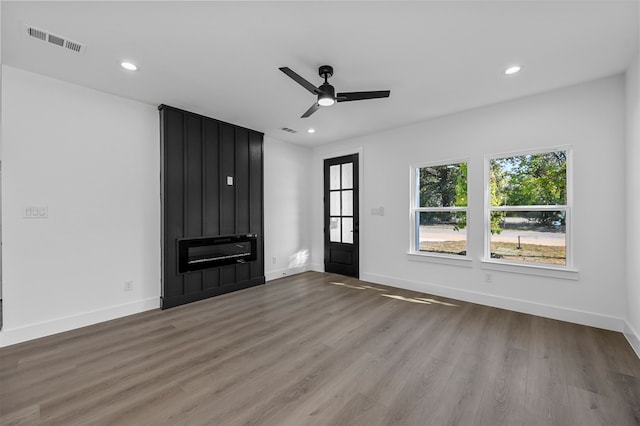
528, 208
439, 209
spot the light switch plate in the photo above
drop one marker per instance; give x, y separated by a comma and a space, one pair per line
35, 212
230, 180
378, 211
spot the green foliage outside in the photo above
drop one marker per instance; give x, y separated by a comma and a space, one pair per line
444, 186
529, 180
524, 180
497, 196
439, 185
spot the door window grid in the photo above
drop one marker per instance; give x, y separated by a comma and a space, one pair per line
341, 203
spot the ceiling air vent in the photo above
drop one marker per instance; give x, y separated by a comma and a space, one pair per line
39, 34
72, 45
57, 40
288, 130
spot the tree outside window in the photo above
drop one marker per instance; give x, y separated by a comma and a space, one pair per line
528, 208
440, 209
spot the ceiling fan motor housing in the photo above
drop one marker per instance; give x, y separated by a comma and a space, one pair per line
325, 71
327, 90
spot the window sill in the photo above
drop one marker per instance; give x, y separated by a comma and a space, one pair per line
442, 259
538, 270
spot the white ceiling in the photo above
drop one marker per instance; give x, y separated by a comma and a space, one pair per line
221, 59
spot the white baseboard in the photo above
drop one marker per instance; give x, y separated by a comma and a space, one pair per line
316, 267
280, 273
548, 311
11, 336
633, 337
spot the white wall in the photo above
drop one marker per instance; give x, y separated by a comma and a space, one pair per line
93, 160
632, 198
590, 117
0, 163
286, 210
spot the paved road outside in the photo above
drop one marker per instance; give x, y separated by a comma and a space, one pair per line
437, 234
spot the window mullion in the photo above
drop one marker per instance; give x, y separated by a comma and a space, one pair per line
440, 209
528, 208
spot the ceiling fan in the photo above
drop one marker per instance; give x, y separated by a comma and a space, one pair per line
327, 94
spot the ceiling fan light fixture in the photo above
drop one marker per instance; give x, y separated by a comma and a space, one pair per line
325, 100
327, 94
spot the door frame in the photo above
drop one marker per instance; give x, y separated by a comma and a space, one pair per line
361, 226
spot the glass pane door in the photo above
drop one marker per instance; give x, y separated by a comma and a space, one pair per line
341, 227
341, 203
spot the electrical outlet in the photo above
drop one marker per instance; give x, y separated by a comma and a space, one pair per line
128, 286
275, 260
488, 277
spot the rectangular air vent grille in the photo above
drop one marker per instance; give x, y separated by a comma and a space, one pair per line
72, 45
39, 34
56, 40
288, 130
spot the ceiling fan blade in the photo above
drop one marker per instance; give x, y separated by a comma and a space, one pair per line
301, 81
361, 96
311, 110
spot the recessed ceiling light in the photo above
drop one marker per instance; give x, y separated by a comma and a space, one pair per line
128, 66
311, 130
512, 70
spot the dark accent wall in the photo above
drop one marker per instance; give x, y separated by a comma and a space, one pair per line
198, 154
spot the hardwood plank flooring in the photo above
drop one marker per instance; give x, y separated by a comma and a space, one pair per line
322, 349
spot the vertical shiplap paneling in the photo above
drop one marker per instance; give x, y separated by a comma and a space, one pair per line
227, 195
227, 169
211, 192
243, 225
227, 275
256, 204
199, 154
193, 192
173, 175
211, 178
242, 194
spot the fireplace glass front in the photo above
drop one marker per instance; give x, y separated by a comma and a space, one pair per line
195, 254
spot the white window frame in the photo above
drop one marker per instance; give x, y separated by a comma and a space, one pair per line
414, 209
558, 271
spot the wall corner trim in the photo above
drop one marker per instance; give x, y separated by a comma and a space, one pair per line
316, 267
632, 337
12, 336
560, 313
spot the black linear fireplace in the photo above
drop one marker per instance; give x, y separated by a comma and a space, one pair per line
195, 254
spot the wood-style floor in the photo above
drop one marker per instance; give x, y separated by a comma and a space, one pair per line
324, 349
